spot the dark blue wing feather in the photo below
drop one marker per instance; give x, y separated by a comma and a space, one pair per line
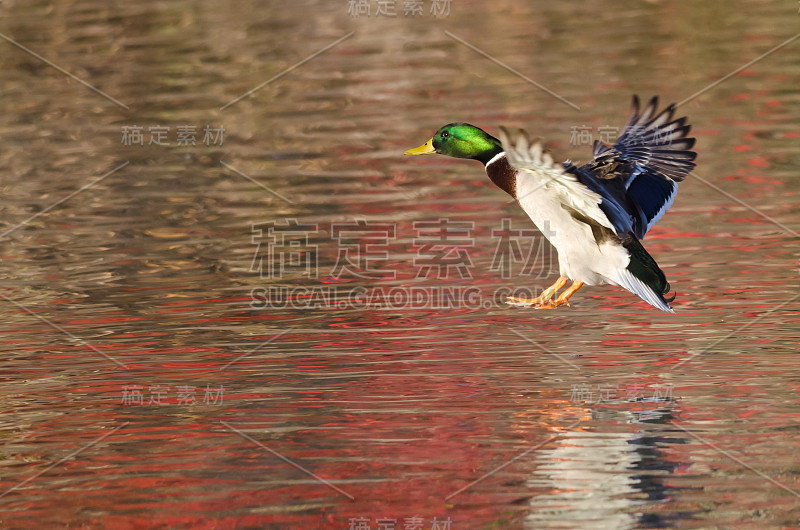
637, 176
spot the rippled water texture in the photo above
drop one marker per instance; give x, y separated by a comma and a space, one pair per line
167, 364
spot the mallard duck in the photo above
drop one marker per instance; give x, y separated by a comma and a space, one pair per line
596, 214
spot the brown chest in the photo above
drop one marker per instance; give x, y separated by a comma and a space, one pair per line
503, 175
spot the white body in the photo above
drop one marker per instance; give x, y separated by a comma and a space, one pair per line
580, 258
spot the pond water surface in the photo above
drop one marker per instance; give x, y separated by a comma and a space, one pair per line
185, 333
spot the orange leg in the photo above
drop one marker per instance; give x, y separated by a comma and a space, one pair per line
564, 298
546, 298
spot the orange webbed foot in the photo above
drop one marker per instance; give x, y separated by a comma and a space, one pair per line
541, 301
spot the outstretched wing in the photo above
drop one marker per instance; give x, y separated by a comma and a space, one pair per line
530, 158
641, 171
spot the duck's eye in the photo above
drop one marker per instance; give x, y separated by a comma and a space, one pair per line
445, 134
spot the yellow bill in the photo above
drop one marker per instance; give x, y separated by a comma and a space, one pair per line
424, 149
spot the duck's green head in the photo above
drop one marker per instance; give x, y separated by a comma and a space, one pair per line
461, 140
